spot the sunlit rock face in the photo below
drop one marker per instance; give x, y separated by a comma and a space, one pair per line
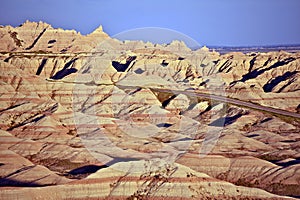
88, 116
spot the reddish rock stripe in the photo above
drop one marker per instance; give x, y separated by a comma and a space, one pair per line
135, 178
113, 102
70, 93
10, 188
125, 197
273, 98
153, 197
99, 115
35, 127
15, 142
30, 100
26, 112
196, 155
8, 156
61, 127
38, 111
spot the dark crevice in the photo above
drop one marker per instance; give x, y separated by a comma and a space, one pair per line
166, 102
283, 87
122, 67
41, 67
225, 121
7, 59
36, 117
164, 125
288, 163
267, 62
225, 65
84, 171
88, 169
54, 68
19, 170
36, 40
298, 109
252, 62
204, 82
191, 106
139, 71
13, 106
51, 41
65, 71
271, 84
255, 73
5, 182
252, 135
229, 70
120, 159
164, 63
266, 120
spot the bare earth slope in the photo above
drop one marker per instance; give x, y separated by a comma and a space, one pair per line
85, 117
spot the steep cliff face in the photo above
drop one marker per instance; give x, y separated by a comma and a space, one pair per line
42, 37
120, 115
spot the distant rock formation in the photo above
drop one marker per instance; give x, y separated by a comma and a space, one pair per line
42, 37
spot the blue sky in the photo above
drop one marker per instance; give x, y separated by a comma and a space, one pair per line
209, 22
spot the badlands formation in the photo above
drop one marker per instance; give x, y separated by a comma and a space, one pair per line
91, 117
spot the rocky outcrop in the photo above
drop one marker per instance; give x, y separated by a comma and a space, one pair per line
41, 37
247, 171
171, 182
125, 119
